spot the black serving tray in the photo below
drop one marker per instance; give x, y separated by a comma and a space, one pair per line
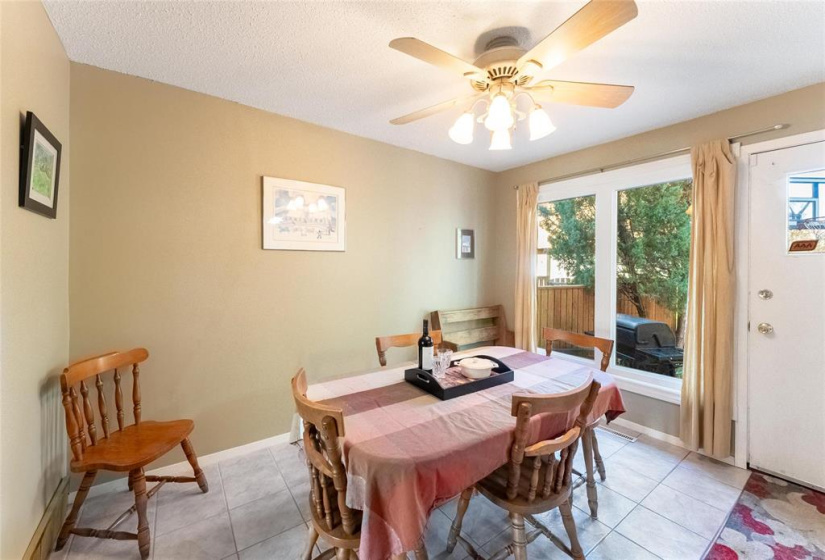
424, 380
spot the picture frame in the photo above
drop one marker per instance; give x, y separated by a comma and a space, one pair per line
301, 216
40, 155
465, 244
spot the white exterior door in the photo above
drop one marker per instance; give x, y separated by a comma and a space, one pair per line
786, 303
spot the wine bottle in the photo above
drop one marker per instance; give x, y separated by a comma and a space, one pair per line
425, 349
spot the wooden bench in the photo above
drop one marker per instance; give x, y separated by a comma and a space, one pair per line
465, 327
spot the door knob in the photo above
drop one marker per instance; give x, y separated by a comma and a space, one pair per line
764, 328
765, 294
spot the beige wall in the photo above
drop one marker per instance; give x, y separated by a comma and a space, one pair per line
166, 250
803, 109
34, 306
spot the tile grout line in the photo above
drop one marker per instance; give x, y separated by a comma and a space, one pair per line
286, 489
277, 466
228, 511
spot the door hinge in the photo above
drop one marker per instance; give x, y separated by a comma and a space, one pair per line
749, 326
753, 161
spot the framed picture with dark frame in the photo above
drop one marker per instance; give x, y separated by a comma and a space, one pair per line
39, 168
465, 244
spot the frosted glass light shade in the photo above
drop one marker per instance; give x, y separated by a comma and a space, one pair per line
500, 115
540, 124
462, 131
500, 140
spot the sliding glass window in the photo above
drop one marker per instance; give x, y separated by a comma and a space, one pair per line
613, 260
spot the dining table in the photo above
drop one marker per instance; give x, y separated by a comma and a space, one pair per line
407, 452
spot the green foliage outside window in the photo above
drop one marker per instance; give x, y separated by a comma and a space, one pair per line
653, 247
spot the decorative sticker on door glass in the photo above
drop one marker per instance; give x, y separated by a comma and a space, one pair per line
806, 212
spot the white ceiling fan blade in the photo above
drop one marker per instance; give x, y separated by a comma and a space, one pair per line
582, 93
595, 20
432, 55
430, 111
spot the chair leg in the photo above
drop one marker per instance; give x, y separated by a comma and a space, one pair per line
592, 495
570, 526
189, 451
144, 538
71, 520
598, 457
455, 530
342, 553
519, 537
421, 553
311, 540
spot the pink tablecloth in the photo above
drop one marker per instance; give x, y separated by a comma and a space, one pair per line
407, 452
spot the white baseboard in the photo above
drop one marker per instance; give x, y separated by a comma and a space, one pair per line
661, 436
655, 434
204, 461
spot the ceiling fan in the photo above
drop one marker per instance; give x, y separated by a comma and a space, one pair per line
505, 72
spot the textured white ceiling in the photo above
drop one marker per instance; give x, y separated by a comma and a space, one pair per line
329, 63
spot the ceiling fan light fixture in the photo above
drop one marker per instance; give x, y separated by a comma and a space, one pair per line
462, 131
500, 140
540, 124
500, 114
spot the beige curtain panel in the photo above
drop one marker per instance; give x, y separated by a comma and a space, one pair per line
708, 367
526, 248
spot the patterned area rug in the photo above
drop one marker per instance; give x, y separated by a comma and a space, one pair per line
773, 519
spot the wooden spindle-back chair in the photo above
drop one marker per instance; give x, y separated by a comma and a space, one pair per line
590, 444
332, 519
129, 448
384, 343
535, 480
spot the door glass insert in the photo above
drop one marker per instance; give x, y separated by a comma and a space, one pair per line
652, 261
565, 269
806, 212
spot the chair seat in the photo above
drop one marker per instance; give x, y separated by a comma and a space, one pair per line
494, 488
134, 446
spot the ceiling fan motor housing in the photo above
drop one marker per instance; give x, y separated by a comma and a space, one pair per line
499, 61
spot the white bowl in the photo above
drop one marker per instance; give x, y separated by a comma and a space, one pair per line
476, 368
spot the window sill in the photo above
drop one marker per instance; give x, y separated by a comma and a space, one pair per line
628, 380
653, 390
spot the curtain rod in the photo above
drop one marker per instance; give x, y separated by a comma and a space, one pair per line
654, 156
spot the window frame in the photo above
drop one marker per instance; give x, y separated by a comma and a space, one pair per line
605, 187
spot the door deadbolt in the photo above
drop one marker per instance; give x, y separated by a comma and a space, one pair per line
765, 294
765, 328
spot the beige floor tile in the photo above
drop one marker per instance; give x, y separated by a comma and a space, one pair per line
616, 547
209, 538
181, 505
590, 531
301, 491
288, 545
101, 511
686, 511
702, 487
435, 538
662, 537
483, 520
249, 477
292, 463
659, 446
644, 460
730, 475
609, 443
264, 518
613, 507
627, 481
